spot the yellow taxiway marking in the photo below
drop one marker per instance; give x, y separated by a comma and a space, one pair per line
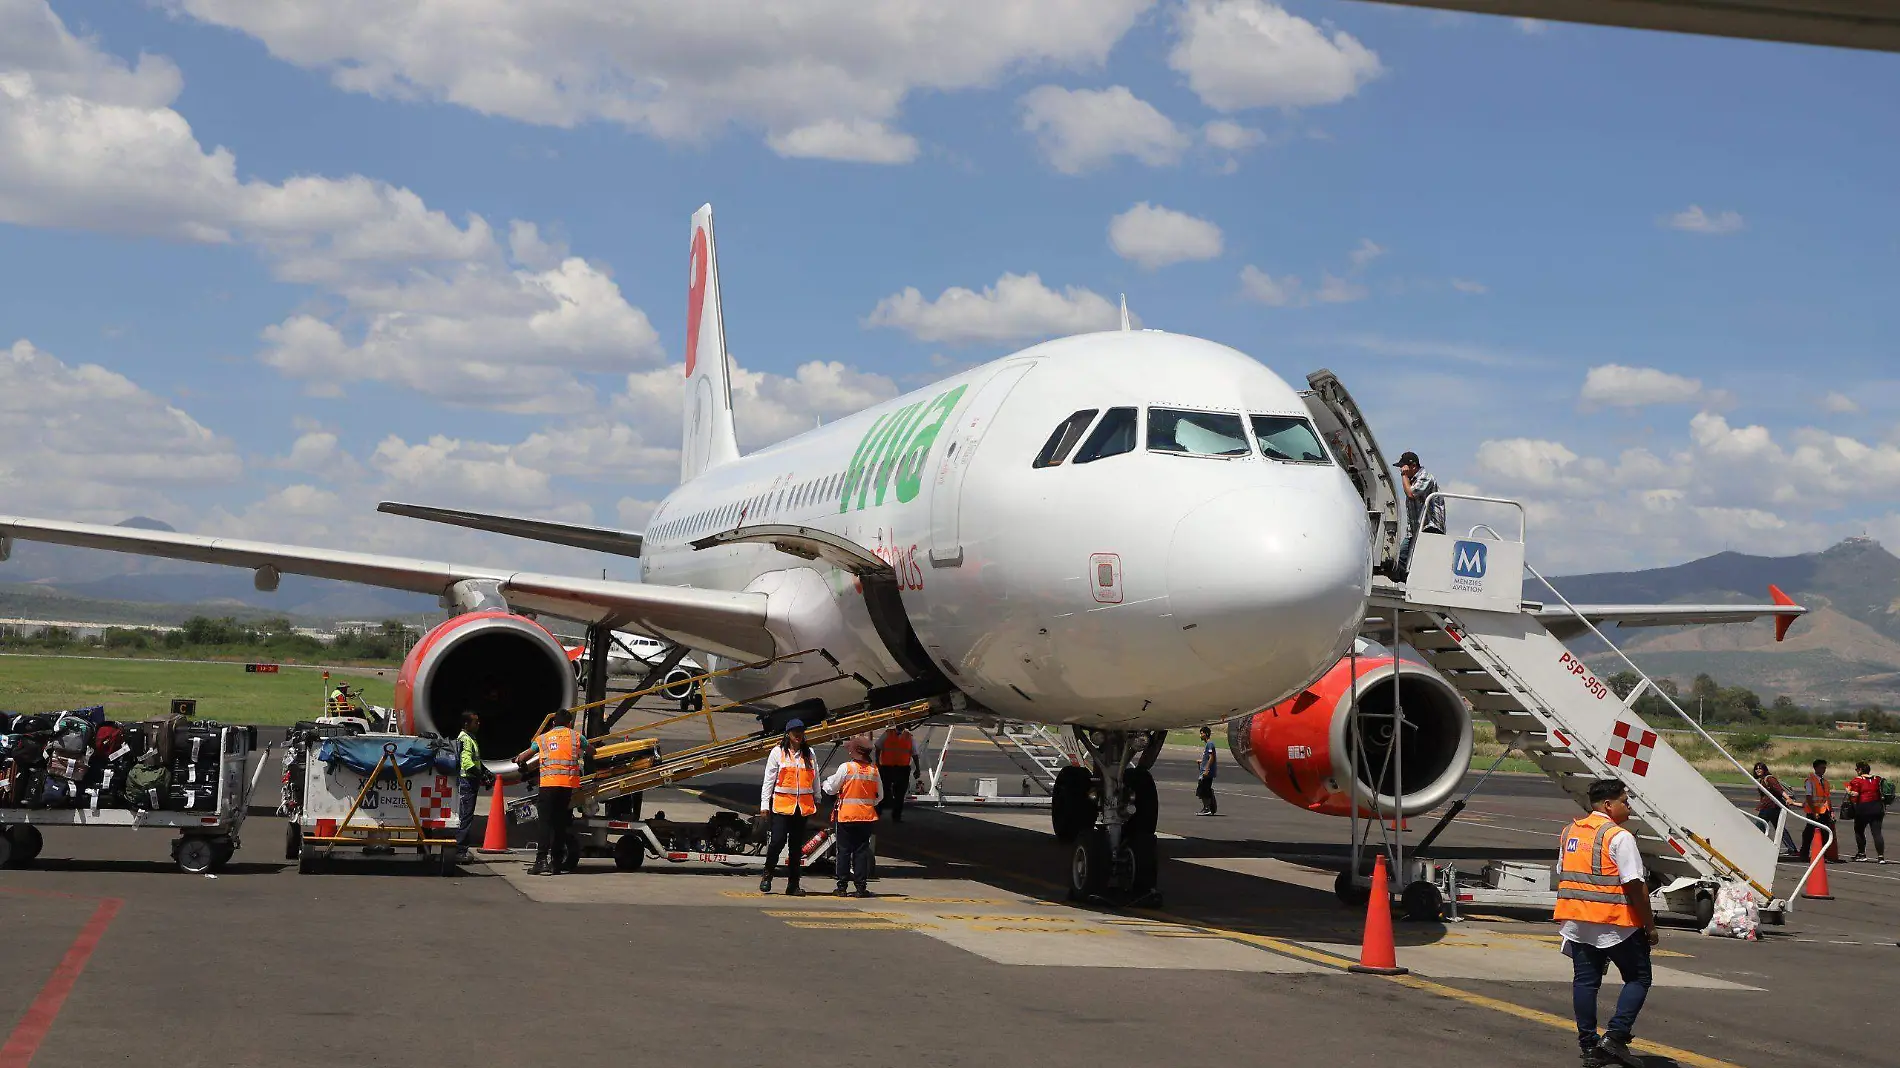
1030, 928
819, 914
858, 925
991, 917
1426, 986
754, 895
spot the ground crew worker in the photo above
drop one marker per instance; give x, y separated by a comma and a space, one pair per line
469, 775
1419, 488
1204, 789
858, 785
1817, 802
789, 795
1870, 811
1604, 918
896, 752
557, 753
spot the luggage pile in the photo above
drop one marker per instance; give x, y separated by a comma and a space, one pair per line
79, 759
296, 744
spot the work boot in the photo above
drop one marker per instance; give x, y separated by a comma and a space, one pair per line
765, 885
1617, 1048
1596, 1058
862, 892
840, 891
793, 891
536, 868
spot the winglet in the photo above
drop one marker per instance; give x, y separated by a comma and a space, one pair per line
1783, 620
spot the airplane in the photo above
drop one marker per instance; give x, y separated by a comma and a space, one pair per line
638, 654
1119, 532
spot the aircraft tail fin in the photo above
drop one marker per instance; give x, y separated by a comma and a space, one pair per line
708, 435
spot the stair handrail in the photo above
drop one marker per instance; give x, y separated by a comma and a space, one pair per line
1819, 854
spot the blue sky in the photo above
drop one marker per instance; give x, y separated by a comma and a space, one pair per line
1645, 282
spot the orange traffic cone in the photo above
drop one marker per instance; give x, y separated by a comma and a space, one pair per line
1377, 955
495, 840
1817, 883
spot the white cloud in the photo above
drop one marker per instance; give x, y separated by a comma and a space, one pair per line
856, 141
1016, 308
1616, 386
1230, 136
1694, 220
1155, 236
1081, 129
1239, 54
825, 78
1336, 290
320, 452
1836, 403
453, 469
1531, 27
84, 442
1283, 292
421, 300
765, 407
1466, 285
1365, 252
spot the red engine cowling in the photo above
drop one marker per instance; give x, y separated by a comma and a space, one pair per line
1301, 748
506, 668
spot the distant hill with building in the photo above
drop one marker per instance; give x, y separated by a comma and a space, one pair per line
1844, 652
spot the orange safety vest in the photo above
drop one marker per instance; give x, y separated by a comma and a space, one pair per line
559, 757
857, 795
1820, 799
1589, 888
795, 791
895, 750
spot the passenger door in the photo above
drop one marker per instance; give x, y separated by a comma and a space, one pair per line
946, 493
1350, 438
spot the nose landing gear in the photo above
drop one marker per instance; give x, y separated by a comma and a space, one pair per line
1110, 817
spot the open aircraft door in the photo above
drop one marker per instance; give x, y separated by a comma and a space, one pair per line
1350, 438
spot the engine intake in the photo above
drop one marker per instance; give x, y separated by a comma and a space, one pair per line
1302, 749
506, 668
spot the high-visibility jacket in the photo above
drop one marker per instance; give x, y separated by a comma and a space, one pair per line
857, 795
1820, 799
1589, 888
559, 757
796, 790
471, 755
896, 749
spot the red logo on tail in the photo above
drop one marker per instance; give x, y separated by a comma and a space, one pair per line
695, 298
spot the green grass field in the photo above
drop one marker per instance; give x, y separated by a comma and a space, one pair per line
140, 689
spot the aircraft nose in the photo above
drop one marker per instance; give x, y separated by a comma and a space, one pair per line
1265, 582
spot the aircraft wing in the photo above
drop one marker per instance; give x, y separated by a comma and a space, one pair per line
1563, 622
599, 539
716, 621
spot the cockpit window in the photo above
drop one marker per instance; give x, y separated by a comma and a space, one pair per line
1288, 437
1196, 433
1114, 435
1064, 438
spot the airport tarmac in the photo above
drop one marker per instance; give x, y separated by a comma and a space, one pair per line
969, 956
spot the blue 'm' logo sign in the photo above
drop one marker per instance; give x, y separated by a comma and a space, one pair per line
1467, 559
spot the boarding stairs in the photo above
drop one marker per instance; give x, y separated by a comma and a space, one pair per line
1462, 609
1034, 748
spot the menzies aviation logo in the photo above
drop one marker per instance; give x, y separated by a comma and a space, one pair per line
893, 451
1467, 566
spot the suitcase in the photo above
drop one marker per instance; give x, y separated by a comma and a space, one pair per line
160, 733
198, 744
185, 798
67, 767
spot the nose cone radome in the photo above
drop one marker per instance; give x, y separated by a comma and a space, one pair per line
1267, 585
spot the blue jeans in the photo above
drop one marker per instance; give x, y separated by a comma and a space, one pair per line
467, 791
1588, 963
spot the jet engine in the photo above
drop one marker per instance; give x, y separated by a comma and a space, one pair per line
1302, 748
506, 668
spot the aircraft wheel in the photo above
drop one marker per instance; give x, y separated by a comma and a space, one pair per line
629, 853
1138, 785
1071, 808
1142, 861
1422, 902
1349, 892
1090, 864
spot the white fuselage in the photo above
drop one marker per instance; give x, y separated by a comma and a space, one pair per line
1142, 590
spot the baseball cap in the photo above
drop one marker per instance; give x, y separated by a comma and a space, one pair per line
1408, 457
795, 725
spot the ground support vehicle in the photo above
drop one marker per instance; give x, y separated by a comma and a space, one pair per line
376, 794
206, 838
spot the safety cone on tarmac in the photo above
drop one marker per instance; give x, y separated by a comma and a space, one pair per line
1377, 954
1817, 883
495, 839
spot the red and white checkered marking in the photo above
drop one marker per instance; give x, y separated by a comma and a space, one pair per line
436, 801
1631, 742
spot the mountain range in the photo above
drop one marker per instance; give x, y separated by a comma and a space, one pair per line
1844, 653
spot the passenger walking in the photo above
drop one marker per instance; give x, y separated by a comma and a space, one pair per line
896, 753
1205, 788
858, 786
469, 778
1423, 509
1771, 791
1818, 803
789, 795
557, 754
1866, 796
1604, 918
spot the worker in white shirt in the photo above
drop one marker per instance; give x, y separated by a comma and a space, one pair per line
789, 796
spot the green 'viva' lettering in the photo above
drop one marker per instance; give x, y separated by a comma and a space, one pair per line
894, 449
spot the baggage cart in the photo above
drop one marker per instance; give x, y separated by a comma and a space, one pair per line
357, 798
206, 839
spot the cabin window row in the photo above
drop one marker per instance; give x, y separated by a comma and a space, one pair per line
751, 509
